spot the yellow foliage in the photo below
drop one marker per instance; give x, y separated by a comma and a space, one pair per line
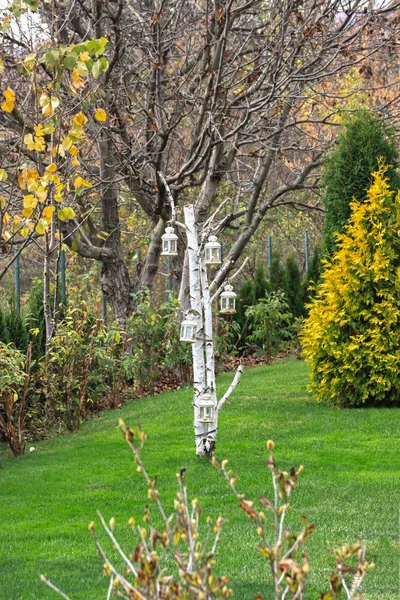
100, 115
80, 119
9, 102
352, 335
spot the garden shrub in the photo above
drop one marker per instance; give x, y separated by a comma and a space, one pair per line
78, 370
17, 332
348, 168
270, 324
292, 286
35, 318
4, 336
276, 273
14, 386
312, 276
155, 343
178, 560
351, 338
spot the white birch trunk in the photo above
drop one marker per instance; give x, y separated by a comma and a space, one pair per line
199, 374
203, 347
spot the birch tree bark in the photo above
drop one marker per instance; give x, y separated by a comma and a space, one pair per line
203, 347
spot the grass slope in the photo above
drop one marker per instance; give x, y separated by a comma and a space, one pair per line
350, 486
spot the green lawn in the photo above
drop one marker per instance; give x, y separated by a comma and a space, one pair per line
350, 486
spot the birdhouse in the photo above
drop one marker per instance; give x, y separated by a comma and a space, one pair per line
169, 242
228, 300
188, 329
206, 408
212, 251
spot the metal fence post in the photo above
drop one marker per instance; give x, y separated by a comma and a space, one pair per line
63, 278
17, 284
306, 250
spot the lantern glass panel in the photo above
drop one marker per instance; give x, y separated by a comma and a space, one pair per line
169, 242
188, 331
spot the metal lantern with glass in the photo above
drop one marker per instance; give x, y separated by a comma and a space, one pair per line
228, 300
188, 328
206, 408
212, 251
169, 242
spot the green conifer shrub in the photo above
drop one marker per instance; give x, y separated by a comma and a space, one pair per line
312, 277
351, 338
261, 284
348, 169
35, 318
276, 273
4, 337
17, 331
292, 286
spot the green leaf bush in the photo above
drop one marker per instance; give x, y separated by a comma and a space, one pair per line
351, 338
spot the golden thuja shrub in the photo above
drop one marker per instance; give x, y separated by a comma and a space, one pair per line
351, 338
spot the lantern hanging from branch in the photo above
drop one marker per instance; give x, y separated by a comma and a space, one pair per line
169, 242
188, 329
212, 251
206, 408
228, 300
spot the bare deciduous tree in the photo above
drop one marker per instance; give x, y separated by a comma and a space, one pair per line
223, 97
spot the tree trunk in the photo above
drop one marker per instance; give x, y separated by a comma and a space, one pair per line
115, 280
48, 317
150, 267
117, 288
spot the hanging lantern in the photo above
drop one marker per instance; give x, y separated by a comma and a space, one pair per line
212, 251
188, 329
206, 408
169, 242
228, 300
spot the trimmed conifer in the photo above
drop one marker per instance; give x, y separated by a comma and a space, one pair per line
4, 337
292, 286
348, 170
276, 273
351, 338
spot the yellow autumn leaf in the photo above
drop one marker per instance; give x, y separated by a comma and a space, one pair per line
100, 115
51, 168
67, 143
80, 119
77, 82
39, 130
75, 162
42, 226
27, 212
41, 193
48, 212
73, 151
70, 213
29, 141
24, 232
9, 103
40, 144
84, 56
29, 201
58, 198
78, 183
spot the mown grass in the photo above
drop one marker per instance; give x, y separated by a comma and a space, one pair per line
350, 486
